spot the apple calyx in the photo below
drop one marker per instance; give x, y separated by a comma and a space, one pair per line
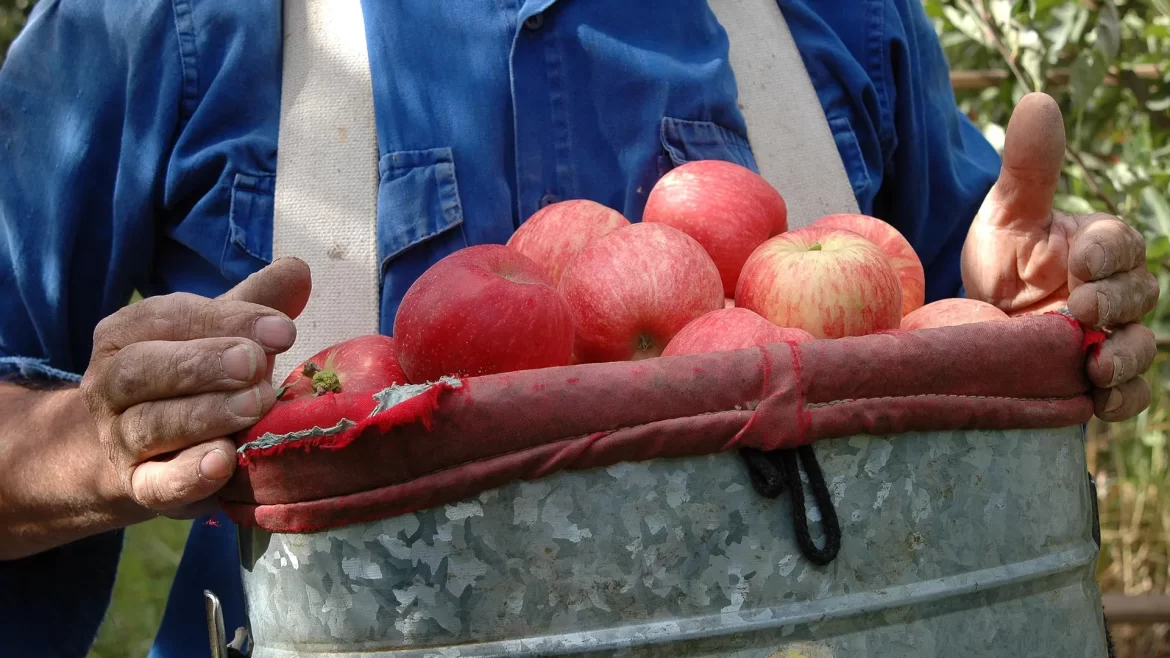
324, 381
644, 343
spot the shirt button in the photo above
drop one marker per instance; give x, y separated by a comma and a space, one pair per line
534, 22
548, 200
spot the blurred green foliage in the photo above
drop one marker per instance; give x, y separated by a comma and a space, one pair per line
12, 15
1107, 63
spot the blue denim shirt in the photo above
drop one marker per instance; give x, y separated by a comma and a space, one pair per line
138, 145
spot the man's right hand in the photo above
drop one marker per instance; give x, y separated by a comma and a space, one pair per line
172, 378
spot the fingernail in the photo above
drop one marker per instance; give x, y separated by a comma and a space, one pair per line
215, 465
1114, 401
1118, 371
239, 363
276, 333
245, 404
1102, 310
1096, 258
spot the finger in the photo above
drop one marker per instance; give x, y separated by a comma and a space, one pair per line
1123, 401
157, 370
1103, 246
284, 286
1120, 299
155, 428
182, 316
1126, 354
1033, 153
185, 478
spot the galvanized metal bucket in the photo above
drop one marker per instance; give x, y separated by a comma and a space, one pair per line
969, 543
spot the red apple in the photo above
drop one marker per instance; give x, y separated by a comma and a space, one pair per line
951, 312
357, 365
728, 208
633, 289
482, 310
729, 302
555, 234
828, 281
895, 245
731, 329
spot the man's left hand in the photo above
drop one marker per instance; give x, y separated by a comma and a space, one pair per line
1025, 257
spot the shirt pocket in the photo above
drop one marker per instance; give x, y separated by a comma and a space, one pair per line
686, 140
248, 246
418, 201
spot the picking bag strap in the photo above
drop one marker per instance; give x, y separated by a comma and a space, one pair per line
327, 174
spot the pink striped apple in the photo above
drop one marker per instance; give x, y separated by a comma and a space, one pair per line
830, 282
895, 245
728, 208
555, 234
951, 312
731, 329
633, 289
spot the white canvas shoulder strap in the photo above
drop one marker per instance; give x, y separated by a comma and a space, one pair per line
327, 171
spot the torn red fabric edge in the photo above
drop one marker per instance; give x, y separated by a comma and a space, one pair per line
450, 442
418, 409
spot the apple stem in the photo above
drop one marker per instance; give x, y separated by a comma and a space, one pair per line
816, 246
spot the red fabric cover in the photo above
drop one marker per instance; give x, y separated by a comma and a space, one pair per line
453, 442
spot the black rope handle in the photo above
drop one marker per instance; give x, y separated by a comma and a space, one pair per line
772, 473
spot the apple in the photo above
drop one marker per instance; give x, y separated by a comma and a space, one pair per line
357, 365
728, 302
895, 245
727, 208
633, 289
482, 310
731, 329
950, 312
555, 234
828, 281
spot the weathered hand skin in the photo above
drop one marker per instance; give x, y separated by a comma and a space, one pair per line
171, 378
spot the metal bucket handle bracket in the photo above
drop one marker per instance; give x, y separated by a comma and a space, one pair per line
239, 647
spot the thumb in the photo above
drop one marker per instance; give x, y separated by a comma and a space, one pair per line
1033, 153
282, 286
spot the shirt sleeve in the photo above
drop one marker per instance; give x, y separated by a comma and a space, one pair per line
89, 98
912, 157
89, 101
939, 166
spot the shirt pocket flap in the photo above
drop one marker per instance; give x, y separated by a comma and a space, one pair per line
686, 140
249, 240
418, 199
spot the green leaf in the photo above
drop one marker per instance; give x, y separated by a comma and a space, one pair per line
1108, 31
1158, 207
1086, 75
1071, 203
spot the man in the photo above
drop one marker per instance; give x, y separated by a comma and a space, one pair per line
138, 151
